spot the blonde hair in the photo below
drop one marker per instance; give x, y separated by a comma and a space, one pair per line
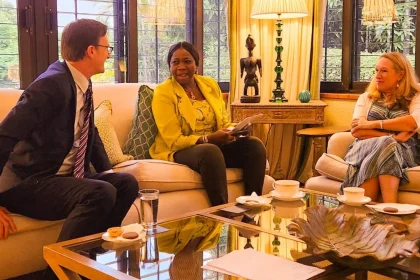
408, 85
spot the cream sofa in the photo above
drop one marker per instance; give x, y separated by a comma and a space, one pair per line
180, 188
333, 168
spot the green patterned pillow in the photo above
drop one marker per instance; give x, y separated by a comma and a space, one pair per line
144, 129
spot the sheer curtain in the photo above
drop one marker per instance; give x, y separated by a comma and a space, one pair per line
302, 44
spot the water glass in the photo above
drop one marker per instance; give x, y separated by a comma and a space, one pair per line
150, 253
149, 200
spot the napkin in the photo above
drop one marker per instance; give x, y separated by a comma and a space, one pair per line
256, 265
254, 200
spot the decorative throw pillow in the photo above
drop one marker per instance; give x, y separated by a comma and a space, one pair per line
107, 133
144, 129
332, 166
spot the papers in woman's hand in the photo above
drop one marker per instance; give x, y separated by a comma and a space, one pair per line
241, 125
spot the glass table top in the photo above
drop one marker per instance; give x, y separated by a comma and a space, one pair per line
275, 218
180, 252
193, 241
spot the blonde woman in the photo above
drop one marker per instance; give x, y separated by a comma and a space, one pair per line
385, 124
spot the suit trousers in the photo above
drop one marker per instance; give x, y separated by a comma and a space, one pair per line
89, 205
211, 162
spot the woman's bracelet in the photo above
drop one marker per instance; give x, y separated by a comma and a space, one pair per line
381, 123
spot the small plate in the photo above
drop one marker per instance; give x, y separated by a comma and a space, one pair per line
253, 201
128, 228
403, 209
297, 196
342, 199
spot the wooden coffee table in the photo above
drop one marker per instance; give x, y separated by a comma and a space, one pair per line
195, 238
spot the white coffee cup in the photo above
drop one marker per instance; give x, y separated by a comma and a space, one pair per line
353, 194
286, 188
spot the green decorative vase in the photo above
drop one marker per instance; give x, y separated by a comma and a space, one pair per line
304, 96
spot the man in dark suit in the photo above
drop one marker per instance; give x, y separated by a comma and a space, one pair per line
49, 138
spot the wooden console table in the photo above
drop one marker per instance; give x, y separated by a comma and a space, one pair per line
293, 112
275, 113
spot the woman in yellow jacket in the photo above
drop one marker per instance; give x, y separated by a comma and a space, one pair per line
192, 128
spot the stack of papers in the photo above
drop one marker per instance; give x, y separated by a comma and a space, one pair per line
256, 265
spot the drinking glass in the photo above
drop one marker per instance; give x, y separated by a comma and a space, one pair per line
149, 200
150, 253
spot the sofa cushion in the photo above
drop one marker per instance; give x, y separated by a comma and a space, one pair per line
144, 129
107, 132
169, 176
331, 166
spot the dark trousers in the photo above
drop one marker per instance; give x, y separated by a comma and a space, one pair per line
89, 205
211, 162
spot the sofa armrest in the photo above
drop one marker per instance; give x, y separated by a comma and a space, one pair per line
339, 143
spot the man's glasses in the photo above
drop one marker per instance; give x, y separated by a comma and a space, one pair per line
109, 48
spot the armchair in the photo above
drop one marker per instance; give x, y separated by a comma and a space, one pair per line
332, 168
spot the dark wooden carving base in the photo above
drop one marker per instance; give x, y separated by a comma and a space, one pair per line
250, 99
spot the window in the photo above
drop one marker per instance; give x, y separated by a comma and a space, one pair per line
351, 47
105, 11
215, 51
9, 53
163, 23
139, 30
159, 27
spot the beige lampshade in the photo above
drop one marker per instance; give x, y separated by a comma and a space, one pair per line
163, 12
279, 9
377, 12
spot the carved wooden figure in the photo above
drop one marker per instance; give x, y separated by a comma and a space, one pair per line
250, 64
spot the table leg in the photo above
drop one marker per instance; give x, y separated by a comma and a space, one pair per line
64, 273
317, 153
361, 275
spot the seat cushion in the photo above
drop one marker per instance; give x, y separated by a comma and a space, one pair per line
169, 176
144, 129
331, 166
414, 178
108, 135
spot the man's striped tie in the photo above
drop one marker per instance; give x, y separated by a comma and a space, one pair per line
79, 165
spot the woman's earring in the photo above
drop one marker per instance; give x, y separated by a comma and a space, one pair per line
398, 84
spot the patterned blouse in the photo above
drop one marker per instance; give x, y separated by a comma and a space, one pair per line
205, 117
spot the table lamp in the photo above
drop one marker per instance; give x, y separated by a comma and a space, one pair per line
278, 9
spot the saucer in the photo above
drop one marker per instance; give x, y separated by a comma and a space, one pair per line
403, 209
342, 199
254, 201
128, 228
297, 196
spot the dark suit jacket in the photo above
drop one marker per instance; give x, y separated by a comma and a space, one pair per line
38, 133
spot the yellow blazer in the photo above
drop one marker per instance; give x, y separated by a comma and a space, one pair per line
175, 116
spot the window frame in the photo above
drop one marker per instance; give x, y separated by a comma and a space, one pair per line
347, 85
38, 46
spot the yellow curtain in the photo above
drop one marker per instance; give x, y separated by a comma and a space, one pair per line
285, 150
232, 43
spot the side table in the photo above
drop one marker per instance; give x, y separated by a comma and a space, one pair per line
317, 134
292, 112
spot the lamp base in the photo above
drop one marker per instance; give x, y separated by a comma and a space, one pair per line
278, 96
250, 99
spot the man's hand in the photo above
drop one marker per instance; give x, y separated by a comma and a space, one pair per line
6, 223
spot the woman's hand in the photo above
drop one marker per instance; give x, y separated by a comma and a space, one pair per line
362, 123
403, 136
244, 132
6, 223
221, 137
